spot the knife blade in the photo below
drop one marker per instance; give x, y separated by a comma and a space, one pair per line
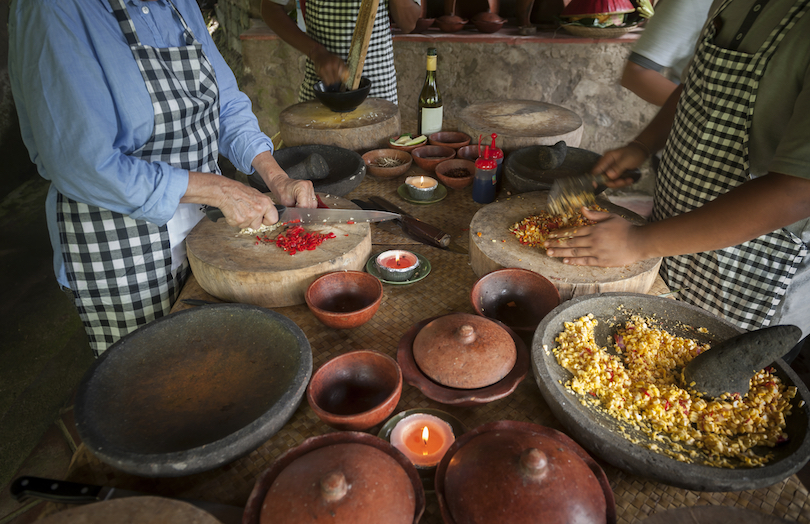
300, 215
65, 492
571, 193
419, 230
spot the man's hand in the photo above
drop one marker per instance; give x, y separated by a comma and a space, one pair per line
288, 192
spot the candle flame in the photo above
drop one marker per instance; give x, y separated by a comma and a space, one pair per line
425, 435
422, 181
397, 260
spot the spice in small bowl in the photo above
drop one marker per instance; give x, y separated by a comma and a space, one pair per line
456, 173
387, 163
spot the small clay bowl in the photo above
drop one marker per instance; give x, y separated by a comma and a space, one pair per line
391, 145
517, 297
488, 22
468, 152
422, 24
372, 157
450, 23
456, 182
344, 299
342, 101
428, 157
454, 139
356, 390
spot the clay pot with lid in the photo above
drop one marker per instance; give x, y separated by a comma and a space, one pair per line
519, 472
462, 359
343, 477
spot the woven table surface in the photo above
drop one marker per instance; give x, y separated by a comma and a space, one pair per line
446, 289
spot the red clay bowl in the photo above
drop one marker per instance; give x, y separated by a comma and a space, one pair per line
456, 182
344, 299
450, 23
355, 391
468, 152
372, 157
428, 157
454, 139
517, 297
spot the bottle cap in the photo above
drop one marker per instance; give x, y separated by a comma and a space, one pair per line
494, 151
485, 162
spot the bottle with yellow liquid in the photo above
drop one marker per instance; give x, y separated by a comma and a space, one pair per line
429, 119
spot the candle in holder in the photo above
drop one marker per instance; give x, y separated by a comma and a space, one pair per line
397, 265
423, 438
421, 187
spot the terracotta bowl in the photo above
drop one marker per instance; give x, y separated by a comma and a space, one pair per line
344, 299
342, 101
488, 22
355, 391
450, 23
468, 152
428, 157
454, 139
422, 24
517, 297
391, 145
456, 182
372, 157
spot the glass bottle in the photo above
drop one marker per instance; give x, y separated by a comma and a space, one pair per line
429, 119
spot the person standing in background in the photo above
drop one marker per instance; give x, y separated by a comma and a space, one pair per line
125, 106
329, 29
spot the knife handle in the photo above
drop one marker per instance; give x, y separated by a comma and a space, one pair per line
54, 490
215, 213
425, 232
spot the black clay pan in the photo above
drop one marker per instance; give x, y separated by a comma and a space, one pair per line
193, 390
599, 433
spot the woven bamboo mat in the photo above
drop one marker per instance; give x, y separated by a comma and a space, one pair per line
445, 290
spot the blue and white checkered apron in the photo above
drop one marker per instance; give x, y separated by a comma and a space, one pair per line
706, 155
120, 269
331, 23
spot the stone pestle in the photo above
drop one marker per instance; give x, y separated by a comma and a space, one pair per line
313, 167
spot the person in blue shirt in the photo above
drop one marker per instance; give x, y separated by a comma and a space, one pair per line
125, 106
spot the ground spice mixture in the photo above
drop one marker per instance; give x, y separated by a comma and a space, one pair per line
639, 384
534, 229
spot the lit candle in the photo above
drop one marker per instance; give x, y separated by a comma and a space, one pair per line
423, 438
397, 265
421, 187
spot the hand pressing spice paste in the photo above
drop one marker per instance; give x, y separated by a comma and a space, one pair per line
533, 230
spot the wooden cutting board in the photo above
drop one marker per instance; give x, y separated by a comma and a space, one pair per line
521, 123
133, 510
367, 127
496, 248
233, 268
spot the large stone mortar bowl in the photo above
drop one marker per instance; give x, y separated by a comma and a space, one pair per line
600, 433
194, 390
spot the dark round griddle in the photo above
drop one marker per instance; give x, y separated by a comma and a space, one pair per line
346, 168
523, 172
193, 390
599, 433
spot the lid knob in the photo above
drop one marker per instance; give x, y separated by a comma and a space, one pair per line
534, 464
466, 334
334, 486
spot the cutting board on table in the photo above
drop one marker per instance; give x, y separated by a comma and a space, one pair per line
233, 268
496, 248
368, 127
521, 123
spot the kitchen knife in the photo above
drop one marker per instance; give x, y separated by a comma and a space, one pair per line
65, 492
301, 215
419, 230
571, 193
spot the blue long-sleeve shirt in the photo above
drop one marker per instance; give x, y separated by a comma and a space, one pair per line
83, 105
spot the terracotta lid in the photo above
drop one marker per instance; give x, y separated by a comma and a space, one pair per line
464, 351
521, 473
341, 483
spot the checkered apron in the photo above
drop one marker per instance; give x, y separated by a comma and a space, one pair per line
120, 269
331, 22
705, 156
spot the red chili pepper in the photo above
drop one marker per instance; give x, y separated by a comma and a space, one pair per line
350, 221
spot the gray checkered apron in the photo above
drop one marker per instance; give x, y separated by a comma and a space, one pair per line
705, 156
331, 22
120, 269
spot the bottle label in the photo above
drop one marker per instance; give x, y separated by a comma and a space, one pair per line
431, 120
431, 63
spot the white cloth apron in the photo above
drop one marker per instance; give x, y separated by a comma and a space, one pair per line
331, 23
706, 155
125, 272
